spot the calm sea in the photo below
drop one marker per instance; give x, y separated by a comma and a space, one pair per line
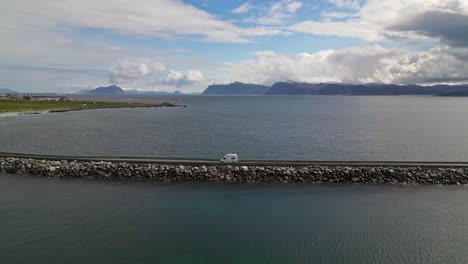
256, 127
46, 221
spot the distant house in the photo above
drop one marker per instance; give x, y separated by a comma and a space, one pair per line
48, 98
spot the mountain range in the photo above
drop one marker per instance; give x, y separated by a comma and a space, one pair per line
236, 88
116, 90
298, 88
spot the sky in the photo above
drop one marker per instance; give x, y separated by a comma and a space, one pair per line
165, 45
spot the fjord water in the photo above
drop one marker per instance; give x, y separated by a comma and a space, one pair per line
423, 128
84, 221
77, 221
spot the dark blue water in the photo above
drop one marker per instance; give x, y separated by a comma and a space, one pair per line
256, 127
76, 221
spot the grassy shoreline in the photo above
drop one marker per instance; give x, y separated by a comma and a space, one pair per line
22, 106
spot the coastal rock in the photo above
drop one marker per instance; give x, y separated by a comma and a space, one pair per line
227, 173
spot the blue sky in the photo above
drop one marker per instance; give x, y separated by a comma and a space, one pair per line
69, 45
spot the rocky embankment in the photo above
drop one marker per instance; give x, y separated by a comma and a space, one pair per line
247, 174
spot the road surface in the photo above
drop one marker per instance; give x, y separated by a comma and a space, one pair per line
211, 162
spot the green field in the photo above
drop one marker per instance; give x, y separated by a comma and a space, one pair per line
31, 106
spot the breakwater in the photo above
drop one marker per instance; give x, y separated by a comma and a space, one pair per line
236, 173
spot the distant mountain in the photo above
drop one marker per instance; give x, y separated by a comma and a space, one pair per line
361, 89
109, 90
297, 88
7, 91
115, 90
236, 88
176, 92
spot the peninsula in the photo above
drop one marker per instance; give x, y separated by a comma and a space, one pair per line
31, 105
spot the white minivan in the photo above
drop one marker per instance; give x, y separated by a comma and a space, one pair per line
230, 158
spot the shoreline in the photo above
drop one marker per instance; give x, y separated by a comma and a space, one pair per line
237, 173
64, 110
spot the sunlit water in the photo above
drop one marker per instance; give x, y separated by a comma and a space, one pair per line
255, 127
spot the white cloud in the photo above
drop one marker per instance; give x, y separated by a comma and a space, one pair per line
40, 33
277, 13
379, 20
183, 78
334, 15
144, 73
352, 65
126, 70
28, 47
353, 4
354, 28
167, 19
242, 9
355, 65
293, 6
43, 79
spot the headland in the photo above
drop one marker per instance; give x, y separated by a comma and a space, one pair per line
15, 105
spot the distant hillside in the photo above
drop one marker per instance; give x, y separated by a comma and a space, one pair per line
115, 90
236, 88
176, 92
7, 91
361, 89
109, 90
296, 88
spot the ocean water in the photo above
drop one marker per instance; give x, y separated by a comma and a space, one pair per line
81, 221
46, 220
421, 128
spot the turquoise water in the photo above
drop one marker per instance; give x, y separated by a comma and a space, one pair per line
256, 127
77, 221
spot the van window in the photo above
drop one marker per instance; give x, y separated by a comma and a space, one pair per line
233, 158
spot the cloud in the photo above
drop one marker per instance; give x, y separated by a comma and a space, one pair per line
450, 28
353, 28
167, 19
242, 9
52, 34
380, 20
353, 4
46, 79
183, 78
277, 13
51, 70
292, 6
146, 73
126, 70
351, 65
355, 65
335, 15
37, 48
133, 73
